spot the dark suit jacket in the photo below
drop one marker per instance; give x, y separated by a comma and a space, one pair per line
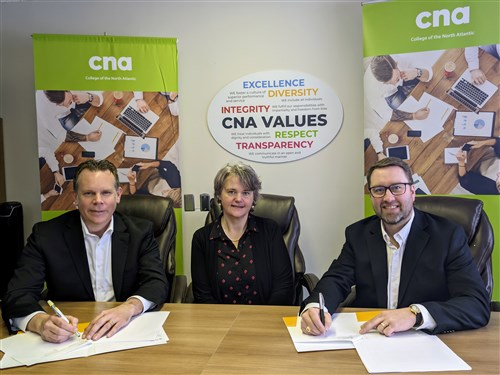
437, 271
272, 264
55, 253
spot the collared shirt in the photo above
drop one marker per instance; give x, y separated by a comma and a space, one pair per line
99, 258
394, 262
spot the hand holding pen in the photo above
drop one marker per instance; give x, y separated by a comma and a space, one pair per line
316, 321
61, 315
53, 328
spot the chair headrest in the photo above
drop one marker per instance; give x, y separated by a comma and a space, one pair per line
151, 207
463, 211
280, 208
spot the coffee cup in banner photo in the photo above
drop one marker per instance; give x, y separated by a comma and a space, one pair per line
449, 69
118, 97
68, 158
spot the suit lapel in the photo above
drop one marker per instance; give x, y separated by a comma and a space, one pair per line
119, 250
73, 236
378, 258
415, 244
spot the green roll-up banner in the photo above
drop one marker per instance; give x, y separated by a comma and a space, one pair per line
432, 98
107, 97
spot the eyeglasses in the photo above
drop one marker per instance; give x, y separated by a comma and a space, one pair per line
395, 189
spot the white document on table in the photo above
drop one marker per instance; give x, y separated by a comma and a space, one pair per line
439, 111
110, 135
410, 351
29, 349
341, 335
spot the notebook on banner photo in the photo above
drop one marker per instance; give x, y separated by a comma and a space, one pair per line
473, 96
140, 123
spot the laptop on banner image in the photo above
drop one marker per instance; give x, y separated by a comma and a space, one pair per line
473, 96
139, 123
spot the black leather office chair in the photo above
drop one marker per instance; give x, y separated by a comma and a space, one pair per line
470, 215
282, 210
158, 210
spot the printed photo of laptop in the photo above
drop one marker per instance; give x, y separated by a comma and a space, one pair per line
473, 96
139, 123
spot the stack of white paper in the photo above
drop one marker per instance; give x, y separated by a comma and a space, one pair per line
410, 351
342, 333
28, 348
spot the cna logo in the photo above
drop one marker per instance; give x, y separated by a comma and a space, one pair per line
443, 17
110, 63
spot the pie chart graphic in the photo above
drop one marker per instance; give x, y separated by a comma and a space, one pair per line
479, 124
145, 147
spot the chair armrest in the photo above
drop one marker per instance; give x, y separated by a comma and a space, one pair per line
309, 281
189, 297
179, 289
350, 298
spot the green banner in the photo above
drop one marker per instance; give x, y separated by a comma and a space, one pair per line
401, 26
422, 59
93, 62
113, 98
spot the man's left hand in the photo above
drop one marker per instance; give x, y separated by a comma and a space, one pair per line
390, 321
108, 322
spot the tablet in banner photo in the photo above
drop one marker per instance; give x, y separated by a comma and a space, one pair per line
275, 116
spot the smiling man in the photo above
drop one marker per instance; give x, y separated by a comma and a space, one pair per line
89, 254
416, 265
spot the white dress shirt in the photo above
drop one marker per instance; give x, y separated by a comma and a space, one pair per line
395, 255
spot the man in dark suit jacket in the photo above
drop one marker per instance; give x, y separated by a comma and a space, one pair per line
92, 253
416, 265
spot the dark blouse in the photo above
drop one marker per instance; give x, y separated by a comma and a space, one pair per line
258, 272
235, 266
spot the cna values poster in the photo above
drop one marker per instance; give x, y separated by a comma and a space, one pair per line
432, 98
275, 116
106, 97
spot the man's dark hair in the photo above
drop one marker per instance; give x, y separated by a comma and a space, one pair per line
95, 166
390, 162
55, 96
382, 67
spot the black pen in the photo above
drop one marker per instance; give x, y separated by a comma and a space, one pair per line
321, 308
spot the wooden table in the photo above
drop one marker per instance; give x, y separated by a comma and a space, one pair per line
427, 159
228, 339
166, 130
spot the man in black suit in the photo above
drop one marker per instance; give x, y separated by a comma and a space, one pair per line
416, 265
92, 253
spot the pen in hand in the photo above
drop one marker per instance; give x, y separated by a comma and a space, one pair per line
321, 309
60, 314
